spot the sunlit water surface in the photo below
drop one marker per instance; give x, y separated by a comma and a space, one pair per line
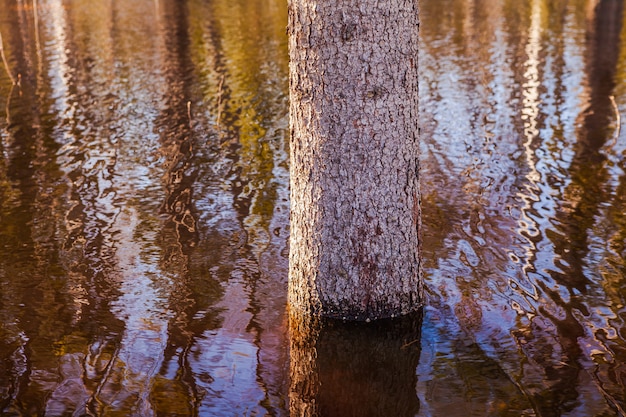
144, 217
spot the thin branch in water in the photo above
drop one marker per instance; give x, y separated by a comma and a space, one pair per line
406, 345
189, 113
611, 399
36, 18
618, 120
219, 101
37, 40
6, 64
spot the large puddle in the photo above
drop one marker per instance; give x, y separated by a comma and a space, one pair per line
144, 217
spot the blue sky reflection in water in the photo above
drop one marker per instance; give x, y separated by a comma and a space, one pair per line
144, 217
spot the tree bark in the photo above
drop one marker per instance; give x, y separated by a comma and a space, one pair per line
355, 201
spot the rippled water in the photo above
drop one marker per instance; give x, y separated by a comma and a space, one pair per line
144, 217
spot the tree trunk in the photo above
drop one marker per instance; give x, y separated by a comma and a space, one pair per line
355, 199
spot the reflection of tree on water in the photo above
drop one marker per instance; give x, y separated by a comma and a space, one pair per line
241, 194
175, 125
354, 369
59, 294
549, 366
177, 386
546, 347
205, 252
559, 351
588, 189
26, 250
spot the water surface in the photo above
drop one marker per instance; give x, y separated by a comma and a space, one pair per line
144, 217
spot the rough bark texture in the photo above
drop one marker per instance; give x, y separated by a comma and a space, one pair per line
355, 200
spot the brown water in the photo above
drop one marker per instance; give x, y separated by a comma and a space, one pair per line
144, 217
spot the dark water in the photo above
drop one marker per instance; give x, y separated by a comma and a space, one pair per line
144, 217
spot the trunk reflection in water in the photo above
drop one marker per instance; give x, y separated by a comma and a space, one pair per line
144, 216
354, 369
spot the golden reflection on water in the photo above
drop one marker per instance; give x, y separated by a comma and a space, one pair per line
127, 138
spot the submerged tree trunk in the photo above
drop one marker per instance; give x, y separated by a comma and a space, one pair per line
355, 199
354, 368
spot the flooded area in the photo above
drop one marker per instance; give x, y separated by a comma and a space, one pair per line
144, 217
